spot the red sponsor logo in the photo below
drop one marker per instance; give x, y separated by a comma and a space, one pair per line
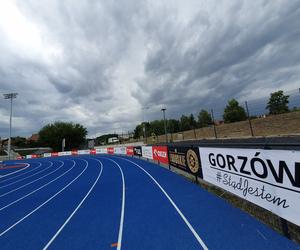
54, 154
34, 156
74, 152
160, 153
93, 151
129, 150
110, 151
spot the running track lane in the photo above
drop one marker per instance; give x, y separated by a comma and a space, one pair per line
110, 202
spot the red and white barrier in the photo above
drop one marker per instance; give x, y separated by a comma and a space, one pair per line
157, 153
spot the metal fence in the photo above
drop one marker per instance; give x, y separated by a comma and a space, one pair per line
258, 123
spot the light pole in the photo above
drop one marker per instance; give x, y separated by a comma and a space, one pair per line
144, 123
165, 124
10, 96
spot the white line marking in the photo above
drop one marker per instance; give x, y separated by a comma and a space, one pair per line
13, 190
7, 185
123, 207
34, 191
16, 171
261, 234
14, 177
173, 204
76, 209
44, 203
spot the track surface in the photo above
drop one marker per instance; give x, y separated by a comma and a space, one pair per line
110, 202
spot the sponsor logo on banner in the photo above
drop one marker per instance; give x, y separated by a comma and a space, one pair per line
129, 150
120, 150
33, 156
74, 152
268, 178
160, 153
64, 153
84, 152
93, 151
54, 154
192, 161
47, 155
110, 151
137, 151
101, 151
186, 159
147, 152
28, 156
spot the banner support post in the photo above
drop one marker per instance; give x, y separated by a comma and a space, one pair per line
285, 228
283, 222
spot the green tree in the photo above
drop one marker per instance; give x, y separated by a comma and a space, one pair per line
173, 126
187, 122
234, 112
156, 127
184, 123
193, 123
138, 131
278, 103
52, 135
204, 118
18, 141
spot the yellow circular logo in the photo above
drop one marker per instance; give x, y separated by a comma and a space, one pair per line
192, 161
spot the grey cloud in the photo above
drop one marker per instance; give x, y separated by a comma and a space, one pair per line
227, 56
100, 62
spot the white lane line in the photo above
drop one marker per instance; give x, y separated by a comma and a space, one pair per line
14, 177
34, 191
44, 203
18, 188
201, 242
22, 179
76, 209
120, 236
16, 171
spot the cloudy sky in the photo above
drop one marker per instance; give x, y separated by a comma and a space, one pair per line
99, 63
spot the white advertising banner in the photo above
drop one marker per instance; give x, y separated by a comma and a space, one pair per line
268, 178
47, 154
84, 152
101, 150
120, 150
147, 152
28, 156
64, 153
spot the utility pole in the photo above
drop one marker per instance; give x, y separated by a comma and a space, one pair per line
249, 119
213, 118
165, 124
10, 96
63, 144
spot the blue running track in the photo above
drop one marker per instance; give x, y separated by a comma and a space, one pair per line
111, 202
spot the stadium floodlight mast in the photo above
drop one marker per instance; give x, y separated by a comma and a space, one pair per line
144, 123
10, 96
165, 124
